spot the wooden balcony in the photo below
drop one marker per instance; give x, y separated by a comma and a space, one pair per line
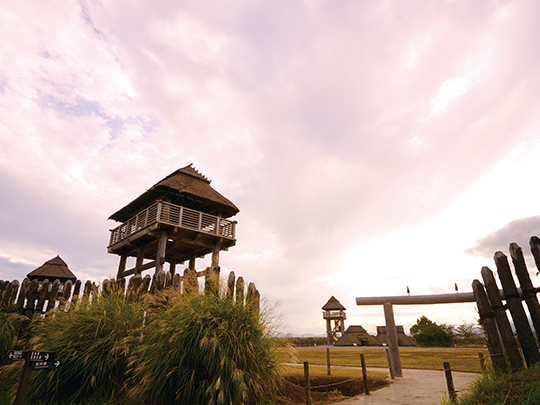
334, 315
189, 223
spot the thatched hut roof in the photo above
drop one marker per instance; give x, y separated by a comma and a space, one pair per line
185, 186
357, 335
54, 269
333, 305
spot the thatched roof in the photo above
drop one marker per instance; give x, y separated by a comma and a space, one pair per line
356, 334
54, 269
185, 186
403, 339
333, 305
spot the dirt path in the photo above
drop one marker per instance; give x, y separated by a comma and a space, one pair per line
416, 387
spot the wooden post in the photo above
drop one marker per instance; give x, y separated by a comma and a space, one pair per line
191, 265
364, 373
307, 383
449, 381
328, 372
389, 360
391, 338
528, 292
160, 255
240, 290
490, 327
534, 244
172, 268
230, 285
215, 254
23, 382
513, 301
140, 259
499, 311
482, 364
121, 266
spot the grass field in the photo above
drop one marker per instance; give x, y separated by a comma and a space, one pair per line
428, 359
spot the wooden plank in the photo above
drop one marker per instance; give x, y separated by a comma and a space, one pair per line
240, 290
490, 327
160, 254
230, 285
22, 294
513, 301
76, 291
144, 267
42, 296
528, 292
503, 324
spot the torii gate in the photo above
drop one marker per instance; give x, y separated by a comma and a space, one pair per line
387, 302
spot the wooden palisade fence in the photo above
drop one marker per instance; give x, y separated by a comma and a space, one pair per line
502, 343
35, 298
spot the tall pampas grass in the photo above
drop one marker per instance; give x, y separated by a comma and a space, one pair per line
203, 349
93, 342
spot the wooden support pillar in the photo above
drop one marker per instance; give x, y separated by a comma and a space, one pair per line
162, 245
215, 254
392, 340
329, 332
121, 266
192, 263
140, 259
172, 269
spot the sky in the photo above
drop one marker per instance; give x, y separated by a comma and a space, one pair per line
370, 146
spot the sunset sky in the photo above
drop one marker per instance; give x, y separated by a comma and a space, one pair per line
369, 145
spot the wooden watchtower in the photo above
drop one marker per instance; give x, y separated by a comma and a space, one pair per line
178, 219
334, 311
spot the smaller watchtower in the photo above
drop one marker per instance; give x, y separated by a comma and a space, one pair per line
334, 311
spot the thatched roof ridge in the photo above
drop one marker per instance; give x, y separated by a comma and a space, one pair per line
185, 184
54, 269
333, 305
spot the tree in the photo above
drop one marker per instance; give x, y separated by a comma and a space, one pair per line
467, 334
427, 333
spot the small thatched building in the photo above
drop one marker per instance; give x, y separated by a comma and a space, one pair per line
356, 335
403, 339
54, 269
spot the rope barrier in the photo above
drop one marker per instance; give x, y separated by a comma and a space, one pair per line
473, 362
337, 383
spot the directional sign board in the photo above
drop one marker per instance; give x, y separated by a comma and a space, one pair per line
31, 355
16, 355
42, 356
45, 365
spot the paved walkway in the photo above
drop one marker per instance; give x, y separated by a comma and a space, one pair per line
416, 387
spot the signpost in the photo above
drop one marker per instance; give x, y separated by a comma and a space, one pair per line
33, 360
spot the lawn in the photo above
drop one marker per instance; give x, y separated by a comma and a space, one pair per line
428, 359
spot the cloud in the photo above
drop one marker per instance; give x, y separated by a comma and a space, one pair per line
329, 125
518, 231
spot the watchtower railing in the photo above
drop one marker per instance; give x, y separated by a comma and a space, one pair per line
175, 215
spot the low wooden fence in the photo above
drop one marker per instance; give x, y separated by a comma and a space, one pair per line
503, 346
33, 297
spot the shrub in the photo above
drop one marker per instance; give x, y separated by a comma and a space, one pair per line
203, 350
